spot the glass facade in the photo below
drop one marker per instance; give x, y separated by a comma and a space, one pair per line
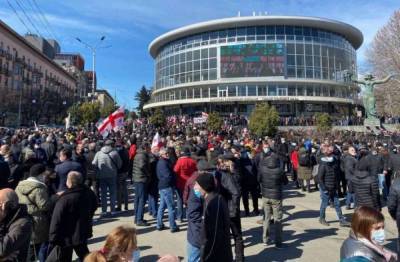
310, 53
253, 90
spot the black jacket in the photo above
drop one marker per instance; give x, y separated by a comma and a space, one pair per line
393, 201
71, 223
229, 189
124, 155
141, 167
216, 245
349, 163
394, 163
270, 176
62, 171
328, 174
249, 175
376, 164
15, 234
5, 173
195, 219
366, 190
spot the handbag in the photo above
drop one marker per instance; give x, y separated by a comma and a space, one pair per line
55, 254
315, 170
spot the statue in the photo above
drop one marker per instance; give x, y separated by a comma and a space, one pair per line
369, 100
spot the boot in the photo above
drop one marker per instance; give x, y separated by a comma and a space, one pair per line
322, 221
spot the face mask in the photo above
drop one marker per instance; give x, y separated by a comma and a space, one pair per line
378, 236
136, 255
197, 193
266, 150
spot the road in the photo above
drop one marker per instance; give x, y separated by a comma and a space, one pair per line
304, 238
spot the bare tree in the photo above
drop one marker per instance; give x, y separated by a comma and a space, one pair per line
384, 56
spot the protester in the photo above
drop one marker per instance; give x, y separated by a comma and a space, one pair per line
107, 162
367, 236
328, 186
16, 227
33, 193
349, 163
166, 185
215, 234
71, 223
122, 187
184, 168
65, 166
305, 167
271, 179
141, 179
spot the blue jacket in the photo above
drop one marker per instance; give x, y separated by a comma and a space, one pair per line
195, 219
165, 175
62, 171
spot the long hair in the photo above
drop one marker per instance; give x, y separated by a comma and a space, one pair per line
119, 242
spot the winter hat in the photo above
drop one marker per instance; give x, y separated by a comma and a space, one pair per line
36, 170
207, 182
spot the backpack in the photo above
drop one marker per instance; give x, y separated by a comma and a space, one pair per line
304, 159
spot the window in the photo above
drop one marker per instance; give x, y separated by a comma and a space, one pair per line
271, 90
204, 53
242, 90
231, 91
292, 91
300, 90
213, 74
213, 52
251, 90
262, 90
282, 91
213, 63
310, 91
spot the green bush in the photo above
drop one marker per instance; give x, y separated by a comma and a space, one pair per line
323, 122
158, 118
214, 122
264, 120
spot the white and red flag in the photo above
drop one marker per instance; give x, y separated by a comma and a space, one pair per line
204, 115
112, 122
156, 141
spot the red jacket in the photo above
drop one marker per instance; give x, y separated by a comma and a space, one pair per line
184, 168
294, 158
132, 152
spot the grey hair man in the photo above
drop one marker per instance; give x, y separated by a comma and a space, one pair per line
15, 227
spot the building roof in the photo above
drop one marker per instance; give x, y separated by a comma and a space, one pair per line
352, 34
34, 49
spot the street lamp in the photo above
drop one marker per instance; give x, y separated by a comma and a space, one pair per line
93, 50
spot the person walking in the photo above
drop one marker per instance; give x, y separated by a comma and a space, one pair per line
71, 222
349, 163
141, 177
271, 179
107, 162
166, 184
305, 168
328, 186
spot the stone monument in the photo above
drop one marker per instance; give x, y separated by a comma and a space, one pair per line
369, 101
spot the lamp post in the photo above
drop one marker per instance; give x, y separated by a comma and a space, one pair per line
93, 50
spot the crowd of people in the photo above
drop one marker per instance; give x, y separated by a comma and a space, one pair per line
53, 180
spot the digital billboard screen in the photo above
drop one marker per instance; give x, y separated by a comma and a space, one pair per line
252, 60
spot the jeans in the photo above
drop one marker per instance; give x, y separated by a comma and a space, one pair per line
325, 203
272, 207
108, 184
140, 200
153, 203
350, 197
122, 190
180, 213
193, 253
39, 251
166, 201
383, 185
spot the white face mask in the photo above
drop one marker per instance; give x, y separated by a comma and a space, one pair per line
266, 150
378, 236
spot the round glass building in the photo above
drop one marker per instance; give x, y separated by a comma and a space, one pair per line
297, 64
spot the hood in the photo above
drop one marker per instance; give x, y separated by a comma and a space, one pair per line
26, 186
106, 149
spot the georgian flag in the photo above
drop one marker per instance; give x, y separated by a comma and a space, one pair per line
204, 115
112, 122
156, 141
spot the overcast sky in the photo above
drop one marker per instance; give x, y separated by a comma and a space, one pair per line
130, 25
